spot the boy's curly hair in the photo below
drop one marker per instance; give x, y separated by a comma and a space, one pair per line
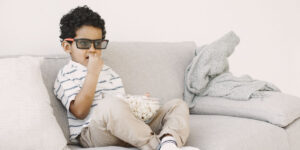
78, 17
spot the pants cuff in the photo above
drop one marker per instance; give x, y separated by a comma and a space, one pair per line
152, 144
174, 134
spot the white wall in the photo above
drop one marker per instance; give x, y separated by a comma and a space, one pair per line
269, 29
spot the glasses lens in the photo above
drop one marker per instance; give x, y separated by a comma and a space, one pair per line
83, 44
101, 44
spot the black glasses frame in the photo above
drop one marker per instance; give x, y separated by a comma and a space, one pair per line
91, 41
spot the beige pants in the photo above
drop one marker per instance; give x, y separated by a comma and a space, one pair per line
113, 124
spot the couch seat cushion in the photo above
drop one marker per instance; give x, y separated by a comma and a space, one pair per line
275, 107
210, 132
75, 147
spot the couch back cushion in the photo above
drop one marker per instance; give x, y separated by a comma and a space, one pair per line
154, 67
157, 68
50, 68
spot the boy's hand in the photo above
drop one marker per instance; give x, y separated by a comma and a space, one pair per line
147, 94
95, 63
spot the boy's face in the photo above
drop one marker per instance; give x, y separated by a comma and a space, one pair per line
81, 55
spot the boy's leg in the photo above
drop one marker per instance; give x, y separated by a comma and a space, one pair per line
88, 138
172, 118
113, 122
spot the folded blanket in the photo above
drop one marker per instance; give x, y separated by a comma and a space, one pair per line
208, 74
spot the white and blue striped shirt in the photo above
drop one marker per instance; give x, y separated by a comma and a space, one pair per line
68, 83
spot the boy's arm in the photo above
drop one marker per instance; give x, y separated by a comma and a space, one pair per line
80, 107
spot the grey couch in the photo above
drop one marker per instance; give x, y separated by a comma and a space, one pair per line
159, 68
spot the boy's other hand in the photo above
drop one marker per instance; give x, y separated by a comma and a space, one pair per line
95, 63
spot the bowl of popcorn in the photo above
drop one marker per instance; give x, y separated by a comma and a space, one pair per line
143, 107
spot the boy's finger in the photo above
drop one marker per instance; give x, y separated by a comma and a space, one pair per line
147, 94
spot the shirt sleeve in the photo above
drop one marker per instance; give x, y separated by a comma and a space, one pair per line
117, 82
65, 89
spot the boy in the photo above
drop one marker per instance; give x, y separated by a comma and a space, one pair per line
86, 87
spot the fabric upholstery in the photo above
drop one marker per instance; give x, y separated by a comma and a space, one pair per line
49, 68
27, 120
157, 68
275, 107
293, 132
210, 132
75, 147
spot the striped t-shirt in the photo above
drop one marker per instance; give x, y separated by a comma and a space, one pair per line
68, 83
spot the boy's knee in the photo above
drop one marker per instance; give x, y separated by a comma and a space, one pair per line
114, 105
113, 102
177, 102
111, 107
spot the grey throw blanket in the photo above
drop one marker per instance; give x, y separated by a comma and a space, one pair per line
208, 74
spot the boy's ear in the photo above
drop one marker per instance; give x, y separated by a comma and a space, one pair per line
66, 46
